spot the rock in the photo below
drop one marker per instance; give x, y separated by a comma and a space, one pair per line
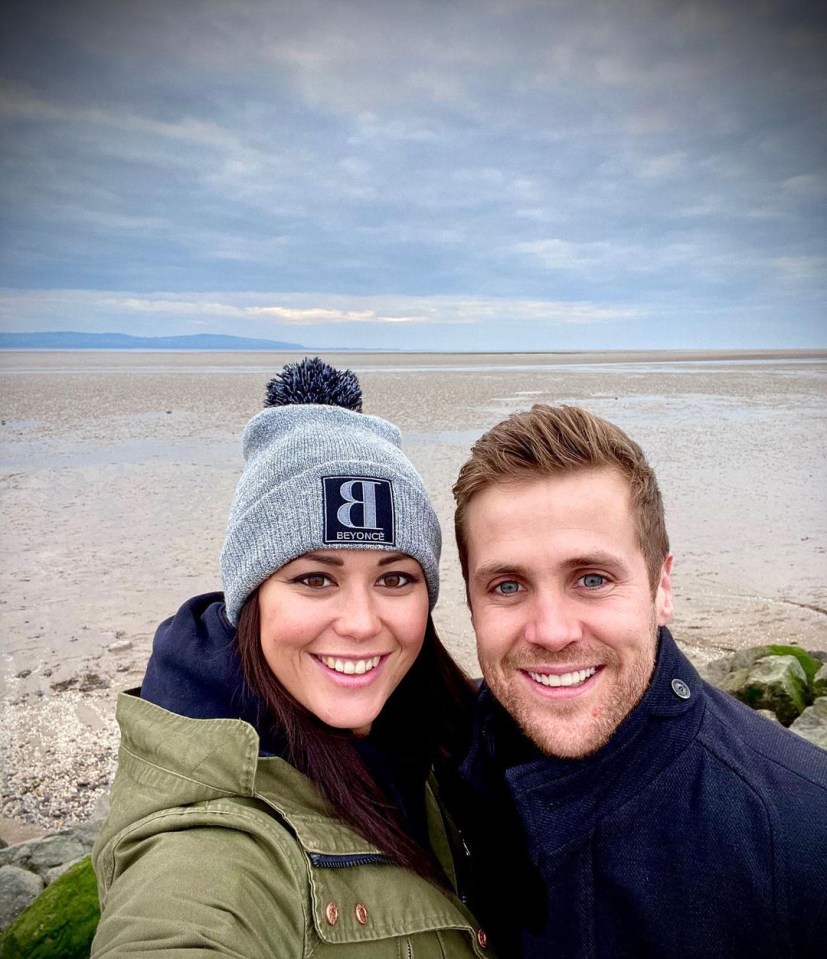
809, 663
819, 683
18, 888
120, 646
41, 855
733, 681
87, 832
60, 922
15, 855
717, 671
55, 850
57, 871
777, 683
812, 723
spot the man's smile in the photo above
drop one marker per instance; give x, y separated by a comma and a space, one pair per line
576, 677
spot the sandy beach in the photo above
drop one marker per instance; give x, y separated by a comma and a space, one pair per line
117, 470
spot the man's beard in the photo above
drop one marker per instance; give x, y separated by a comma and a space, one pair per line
567, 727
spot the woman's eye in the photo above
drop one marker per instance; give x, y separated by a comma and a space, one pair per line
593, 580
396, 580
314, 580
508, 588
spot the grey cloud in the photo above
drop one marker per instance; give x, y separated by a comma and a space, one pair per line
495, 148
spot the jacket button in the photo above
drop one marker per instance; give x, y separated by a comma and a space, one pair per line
482, 939
361, 914
680, 689
331, 913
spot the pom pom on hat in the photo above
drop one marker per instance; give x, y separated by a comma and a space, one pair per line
313, 381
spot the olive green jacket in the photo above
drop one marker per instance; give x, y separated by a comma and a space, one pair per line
211, 849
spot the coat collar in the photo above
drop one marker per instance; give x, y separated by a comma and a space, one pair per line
559, 799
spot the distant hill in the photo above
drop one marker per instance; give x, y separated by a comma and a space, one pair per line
121, 341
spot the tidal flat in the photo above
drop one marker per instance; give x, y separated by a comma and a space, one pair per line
117, 471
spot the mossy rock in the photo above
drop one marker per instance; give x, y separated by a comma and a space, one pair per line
819, 683
777, 683
808, 663
728, 672
60, 923
812, 723
719, 671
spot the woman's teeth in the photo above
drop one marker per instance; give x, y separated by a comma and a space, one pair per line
563, 679
351, 667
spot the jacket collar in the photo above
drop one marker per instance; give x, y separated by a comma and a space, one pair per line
558, 799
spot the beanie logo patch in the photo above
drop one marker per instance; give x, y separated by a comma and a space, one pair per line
358, 510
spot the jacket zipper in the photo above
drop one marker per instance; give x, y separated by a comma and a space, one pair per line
326, 861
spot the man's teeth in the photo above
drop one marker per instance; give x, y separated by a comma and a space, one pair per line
351, 667
563, 679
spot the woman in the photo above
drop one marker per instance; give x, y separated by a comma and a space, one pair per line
273, 795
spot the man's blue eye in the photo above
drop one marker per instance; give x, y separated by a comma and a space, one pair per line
593, 580
508, 589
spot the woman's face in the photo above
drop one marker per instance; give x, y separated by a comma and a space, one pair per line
341, 627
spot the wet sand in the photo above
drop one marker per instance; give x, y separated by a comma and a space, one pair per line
117, 470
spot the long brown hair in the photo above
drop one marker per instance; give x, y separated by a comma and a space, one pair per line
429, 712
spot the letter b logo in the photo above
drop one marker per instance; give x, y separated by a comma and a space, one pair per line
358, 510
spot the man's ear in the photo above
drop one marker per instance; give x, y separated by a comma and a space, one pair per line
663, 593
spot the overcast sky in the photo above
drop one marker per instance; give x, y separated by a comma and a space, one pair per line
441, 174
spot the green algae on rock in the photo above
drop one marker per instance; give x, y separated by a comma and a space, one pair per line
782, 679
60, 923
778, 683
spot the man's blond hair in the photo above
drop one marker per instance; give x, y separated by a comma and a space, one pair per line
556, 440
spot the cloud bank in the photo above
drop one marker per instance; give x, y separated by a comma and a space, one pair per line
495, 174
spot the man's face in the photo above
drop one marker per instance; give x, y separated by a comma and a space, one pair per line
562, 605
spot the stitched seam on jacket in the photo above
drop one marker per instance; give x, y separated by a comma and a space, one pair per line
181, 813
198, 782
709, 745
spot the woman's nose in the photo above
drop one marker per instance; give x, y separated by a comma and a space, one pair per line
358, 617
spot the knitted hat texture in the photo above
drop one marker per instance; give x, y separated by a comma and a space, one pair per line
320, 476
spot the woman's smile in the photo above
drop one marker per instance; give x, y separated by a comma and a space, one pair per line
350, 667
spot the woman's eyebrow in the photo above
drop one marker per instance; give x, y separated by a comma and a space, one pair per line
393, 558
325, 558
329, 559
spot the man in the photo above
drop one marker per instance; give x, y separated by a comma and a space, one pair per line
616, 805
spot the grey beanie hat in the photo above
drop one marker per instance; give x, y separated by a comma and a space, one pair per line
320, 476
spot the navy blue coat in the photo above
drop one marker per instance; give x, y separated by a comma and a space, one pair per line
699, 830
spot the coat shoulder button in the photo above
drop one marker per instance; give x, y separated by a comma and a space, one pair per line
680, 689
331, 913
361, 914
482, 938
